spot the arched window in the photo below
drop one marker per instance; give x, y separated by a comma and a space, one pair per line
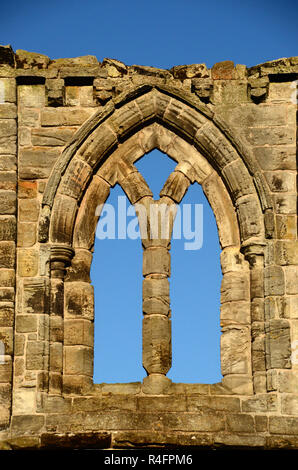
117, 287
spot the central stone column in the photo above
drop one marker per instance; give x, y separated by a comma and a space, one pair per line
156, 222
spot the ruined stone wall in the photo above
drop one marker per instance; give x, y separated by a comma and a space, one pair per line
70, 129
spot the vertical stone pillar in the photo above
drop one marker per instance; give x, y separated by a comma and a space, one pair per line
8, 137
255, 256
60, 259
157, 345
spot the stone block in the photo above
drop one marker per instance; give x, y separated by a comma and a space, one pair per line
56, 357
6, 370
35, 296
7, 277
286, 252
157, 354
7, 162
232, 260
28, 117
36, 162
65, 116
235, 350
8, 180
62, 222
35, 355
78, 360
75, 178
286, 226
289, 404
240, 423
276, 158
235, 313
9, 87
281, 181
78, 332
135, 187
7, 294
290, 307
80, 266
156, 261
27, 261
28, 210
176, 186
27, 189
234, 287
250, 217
97, 146
274, 281
285, 203
31, 96
26, 323
6, 337
51, 136
79, 300
238, 180
291, 279
7, 254
279, 135
7, 202
19, 344
23, 425
26, 234
278, 344
6, 314
24, 401
283, 425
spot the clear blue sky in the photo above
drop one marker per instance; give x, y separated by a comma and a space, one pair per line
160, 33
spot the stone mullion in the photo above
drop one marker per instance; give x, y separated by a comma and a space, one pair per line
157, 348
157, 353
8, 174
255, 255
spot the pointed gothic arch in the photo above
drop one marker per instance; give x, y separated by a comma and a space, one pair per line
101, 154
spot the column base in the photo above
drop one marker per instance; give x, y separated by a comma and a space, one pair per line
156, 384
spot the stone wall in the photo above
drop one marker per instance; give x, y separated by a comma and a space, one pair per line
70, 129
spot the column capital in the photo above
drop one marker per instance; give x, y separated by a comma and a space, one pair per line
60, 258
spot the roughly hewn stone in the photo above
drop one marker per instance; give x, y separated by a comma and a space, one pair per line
70, 129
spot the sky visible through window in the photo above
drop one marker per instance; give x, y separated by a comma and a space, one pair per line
160, 34
117, 277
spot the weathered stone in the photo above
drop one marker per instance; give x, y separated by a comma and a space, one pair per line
235, 345
27, 60
31, 96
7, 55
36, 162
156, 344
175, 187
51, 136
65, 116
223, 70
156, 261
7, 254
7, 202
75, 179
78, 332
27, 262
102, 118
278, 344
79, 300
78, 360
35, 296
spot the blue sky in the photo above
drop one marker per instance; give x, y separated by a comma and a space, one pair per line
160, 33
